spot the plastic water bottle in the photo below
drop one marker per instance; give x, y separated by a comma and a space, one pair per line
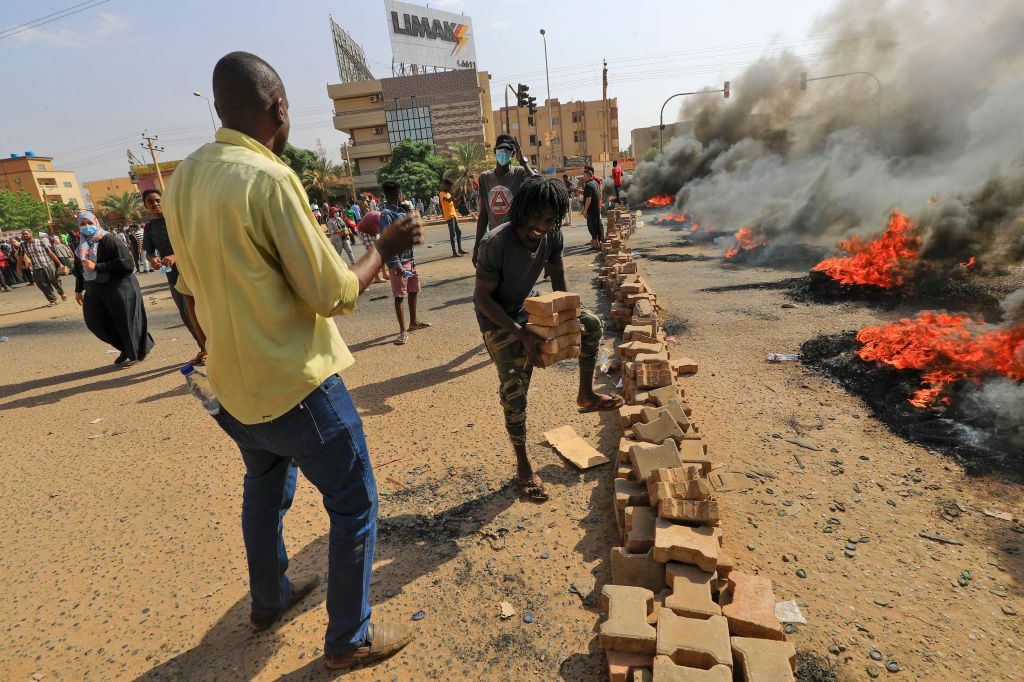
165, 269
199, 386
783, 357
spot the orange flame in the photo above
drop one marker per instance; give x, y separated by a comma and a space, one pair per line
661, 200
946, 348
681, 218
969, 263
745, 241
882, 262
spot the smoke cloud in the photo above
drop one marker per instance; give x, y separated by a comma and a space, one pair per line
817, 165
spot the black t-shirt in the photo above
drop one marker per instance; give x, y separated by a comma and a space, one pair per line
503, 260
593, 191
155, 239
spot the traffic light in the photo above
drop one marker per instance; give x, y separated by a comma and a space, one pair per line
531, 104
727, 89
803, 80
522, 92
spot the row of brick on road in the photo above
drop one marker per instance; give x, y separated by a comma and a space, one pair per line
676, 608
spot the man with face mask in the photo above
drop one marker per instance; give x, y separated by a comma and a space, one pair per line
499, 186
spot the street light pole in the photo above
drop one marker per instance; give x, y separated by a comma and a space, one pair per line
878, 93
661, 116
210, 106
547, 76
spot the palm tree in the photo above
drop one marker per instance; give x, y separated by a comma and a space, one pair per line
126, 207
322, 175
466, 159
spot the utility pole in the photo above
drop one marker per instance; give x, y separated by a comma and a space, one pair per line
150, 139
607, 114
551, 126
351, 173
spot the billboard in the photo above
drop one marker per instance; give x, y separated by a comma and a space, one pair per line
430, 37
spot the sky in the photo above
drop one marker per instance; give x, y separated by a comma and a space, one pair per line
84, 88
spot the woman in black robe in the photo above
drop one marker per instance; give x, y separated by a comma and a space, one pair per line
112, 299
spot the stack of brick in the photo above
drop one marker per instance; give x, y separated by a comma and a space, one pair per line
676, 608
555, 317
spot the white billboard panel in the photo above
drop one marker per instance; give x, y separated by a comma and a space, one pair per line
430, 37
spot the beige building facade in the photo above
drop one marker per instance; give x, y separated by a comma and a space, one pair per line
564, 135
36, 175
97, 190
645, 139
440, 108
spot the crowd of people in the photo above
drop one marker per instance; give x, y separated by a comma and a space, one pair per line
261, 319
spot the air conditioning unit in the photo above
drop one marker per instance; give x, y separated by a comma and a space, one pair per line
378, 130
376, 98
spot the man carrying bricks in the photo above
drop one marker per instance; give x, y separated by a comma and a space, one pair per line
511, 258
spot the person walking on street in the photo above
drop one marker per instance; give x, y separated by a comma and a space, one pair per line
405, 280
448, 212
275, 354
369, 231
617, 179
37, 257
510, 262
157, 243
592, 207
140, 235
499, 185
4, 271
106, 288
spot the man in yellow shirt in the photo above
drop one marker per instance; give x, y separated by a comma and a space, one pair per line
448, 211
265, 282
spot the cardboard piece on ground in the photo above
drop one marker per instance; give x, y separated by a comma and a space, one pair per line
573, 448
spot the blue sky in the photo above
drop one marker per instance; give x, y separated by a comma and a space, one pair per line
83, 88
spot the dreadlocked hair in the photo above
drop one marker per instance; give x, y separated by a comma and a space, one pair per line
534, 195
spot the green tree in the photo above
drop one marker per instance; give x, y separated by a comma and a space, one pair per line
322, 176
466, 160
652, 154
415, 166
65, 216
122, 208
298, 159
21, 211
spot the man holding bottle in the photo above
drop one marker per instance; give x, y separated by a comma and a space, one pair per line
265, 282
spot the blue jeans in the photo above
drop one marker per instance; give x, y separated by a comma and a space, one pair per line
323, 435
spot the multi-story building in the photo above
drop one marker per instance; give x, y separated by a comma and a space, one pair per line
436, 107
35, 175
97, 190
565, 135
645, 139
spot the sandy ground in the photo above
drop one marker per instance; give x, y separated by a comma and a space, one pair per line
899, 594
123, 549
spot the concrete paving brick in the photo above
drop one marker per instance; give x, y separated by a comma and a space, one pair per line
629, 415
630, 494
566, 327
658, 604
652, 357
639, 528
691, 591
637, 570
653, 374
549, 304
555, 319
686, 544
725, 565
643, 675
684, 365
643, 309
694, 642
667, 671
662, 395
626, 628
628, 351
673, 409
621, 664
695, 451
684, 483
760, 660
748, 602
559, 342
567, 353
646, 457
703, 512
622, 454
658, 430
630, 330
625, 471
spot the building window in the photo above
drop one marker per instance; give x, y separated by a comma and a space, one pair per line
413, 100
67, 185
577, 117
555, 121
533, 140
41, 166
398, 103
579, 136
411, 123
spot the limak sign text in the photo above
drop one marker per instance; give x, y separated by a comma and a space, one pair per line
429, 37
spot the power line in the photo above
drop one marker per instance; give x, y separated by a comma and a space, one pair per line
56, 16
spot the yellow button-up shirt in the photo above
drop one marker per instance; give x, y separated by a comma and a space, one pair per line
264, 276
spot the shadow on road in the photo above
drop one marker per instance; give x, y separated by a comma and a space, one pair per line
123, 379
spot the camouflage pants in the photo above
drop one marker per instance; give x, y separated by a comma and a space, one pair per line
515, 370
